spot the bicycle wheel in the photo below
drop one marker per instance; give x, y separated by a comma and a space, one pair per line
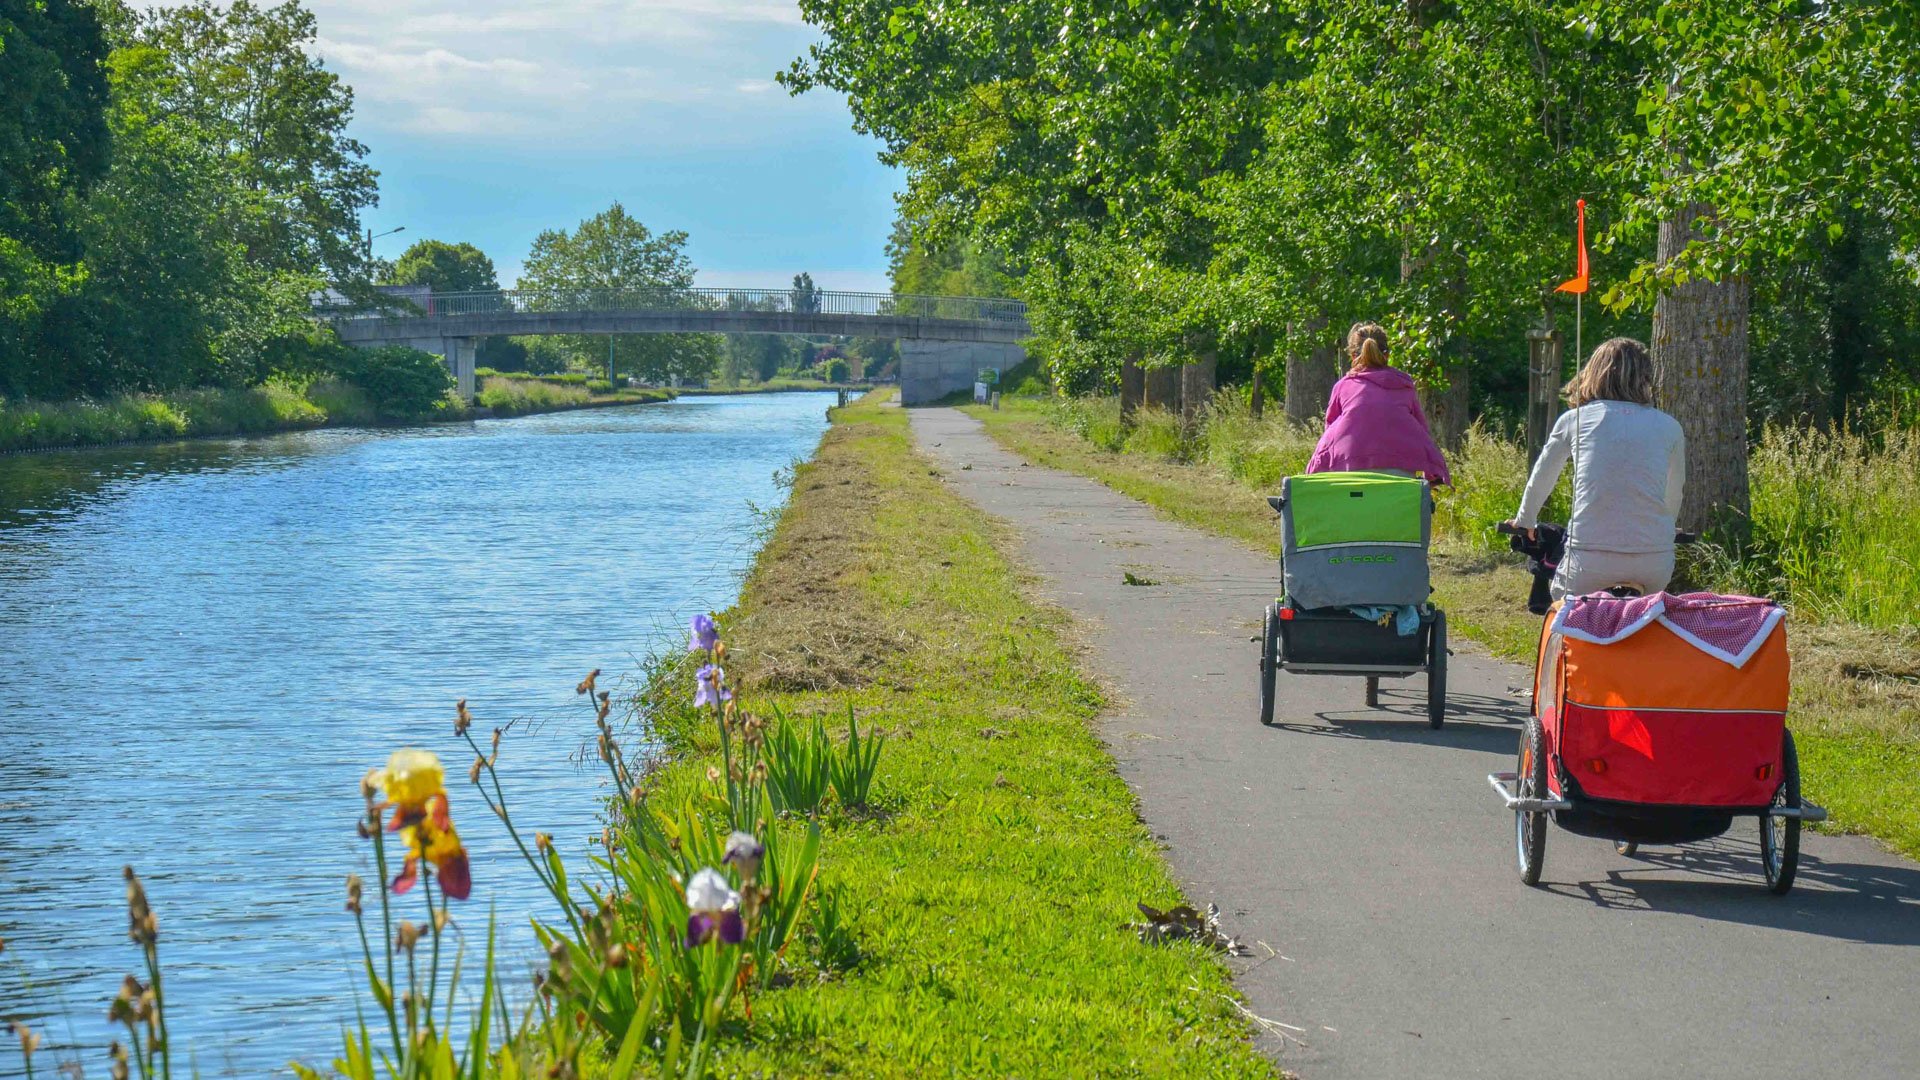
1269, 662
1530, 782
1437, 672
1780, 836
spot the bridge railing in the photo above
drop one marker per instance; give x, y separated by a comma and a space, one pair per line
796, 301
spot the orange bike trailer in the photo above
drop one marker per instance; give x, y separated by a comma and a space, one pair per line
1654, 719
1658, 720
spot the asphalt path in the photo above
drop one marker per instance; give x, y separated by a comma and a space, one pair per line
1364, 857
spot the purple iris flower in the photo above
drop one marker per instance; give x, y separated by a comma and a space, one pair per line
710, 686
703, 634
744, 851
714, 910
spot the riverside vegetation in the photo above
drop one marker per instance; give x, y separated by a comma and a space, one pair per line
872, 832
1832, 534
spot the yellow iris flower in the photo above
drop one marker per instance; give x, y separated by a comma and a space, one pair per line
411, 778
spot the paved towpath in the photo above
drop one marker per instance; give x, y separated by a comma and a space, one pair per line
1368, 850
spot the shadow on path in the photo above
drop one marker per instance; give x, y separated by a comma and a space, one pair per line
1877, 905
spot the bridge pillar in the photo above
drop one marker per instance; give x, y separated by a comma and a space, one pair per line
930, 370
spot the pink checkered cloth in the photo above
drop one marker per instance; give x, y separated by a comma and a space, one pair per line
1729, 628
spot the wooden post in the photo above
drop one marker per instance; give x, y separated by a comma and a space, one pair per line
1133, 387
1257, 404
1543, 387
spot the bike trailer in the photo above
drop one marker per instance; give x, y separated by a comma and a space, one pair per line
1354, 539
1683, 708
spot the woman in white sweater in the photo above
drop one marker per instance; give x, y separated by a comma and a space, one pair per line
1629, 467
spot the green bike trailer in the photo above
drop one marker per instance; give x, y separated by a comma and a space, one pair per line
1354, 541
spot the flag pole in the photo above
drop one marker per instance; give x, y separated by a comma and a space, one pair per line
1577, 355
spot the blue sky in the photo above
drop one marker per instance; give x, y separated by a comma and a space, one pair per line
490, 121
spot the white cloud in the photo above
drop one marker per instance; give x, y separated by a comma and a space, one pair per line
569, 72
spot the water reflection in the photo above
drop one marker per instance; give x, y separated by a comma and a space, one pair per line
204, 645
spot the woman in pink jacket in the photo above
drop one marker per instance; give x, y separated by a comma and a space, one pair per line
1374, 422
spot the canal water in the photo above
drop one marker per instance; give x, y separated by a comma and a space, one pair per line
205, 645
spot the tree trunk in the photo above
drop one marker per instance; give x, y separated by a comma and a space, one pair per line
1257, 403
1700, 376
1163, 388
1446, 407
1310, 381
1196, 390
1133, 387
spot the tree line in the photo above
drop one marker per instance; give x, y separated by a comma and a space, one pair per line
1241, 179
178, 184
174, 185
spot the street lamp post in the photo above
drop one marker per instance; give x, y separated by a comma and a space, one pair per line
372, 236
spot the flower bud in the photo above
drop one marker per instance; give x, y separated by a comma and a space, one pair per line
617, 956
473, 772
713, 773
543, 842
586, 684
559, 961
440, 920
462, 719
117, 1054
353, 893
407, 936
30, 1040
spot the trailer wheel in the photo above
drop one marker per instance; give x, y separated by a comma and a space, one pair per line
1530, 782
1780, 836
1437, 671
1626, 847
1269, 662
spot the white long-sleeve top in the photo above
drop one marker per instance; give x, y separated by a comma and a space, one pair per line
1630, 468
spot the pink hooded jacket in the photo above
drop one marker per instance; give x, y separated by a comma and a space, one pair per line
1374, 422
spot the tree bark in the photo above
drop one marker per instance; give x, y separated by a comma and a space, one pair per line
1133, 387
1700, 377
1196, 390
1163, 388
1446, 407
1310, 381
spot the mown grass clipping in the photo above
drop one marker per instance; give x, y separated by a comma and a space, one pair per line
984, 892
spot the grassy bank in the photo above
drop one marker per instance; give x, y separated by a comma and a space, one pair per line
507, 395
985, 893
33, 425
1856, 690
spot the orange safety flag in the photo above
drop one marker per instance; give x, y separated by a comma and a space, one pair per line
1579, 283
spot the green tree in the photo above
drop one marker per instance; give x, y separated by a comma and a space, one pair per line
54, 147
614, 251
243, 83
53, 129
448, 268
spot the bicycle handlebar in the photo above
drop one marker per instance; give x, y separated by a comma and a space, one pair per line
1680, 536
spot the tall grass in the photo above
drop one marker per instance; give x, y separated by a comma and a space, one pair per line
1835, 528
511, 396
28, 425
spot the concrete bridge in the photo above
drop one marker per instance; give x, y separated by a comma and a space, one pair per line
944, 340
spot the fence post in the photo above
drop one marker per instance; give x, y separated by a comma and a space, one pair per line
1543, 387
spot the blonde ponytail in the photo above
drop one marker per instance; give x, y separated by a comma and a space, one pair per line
1367, 345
